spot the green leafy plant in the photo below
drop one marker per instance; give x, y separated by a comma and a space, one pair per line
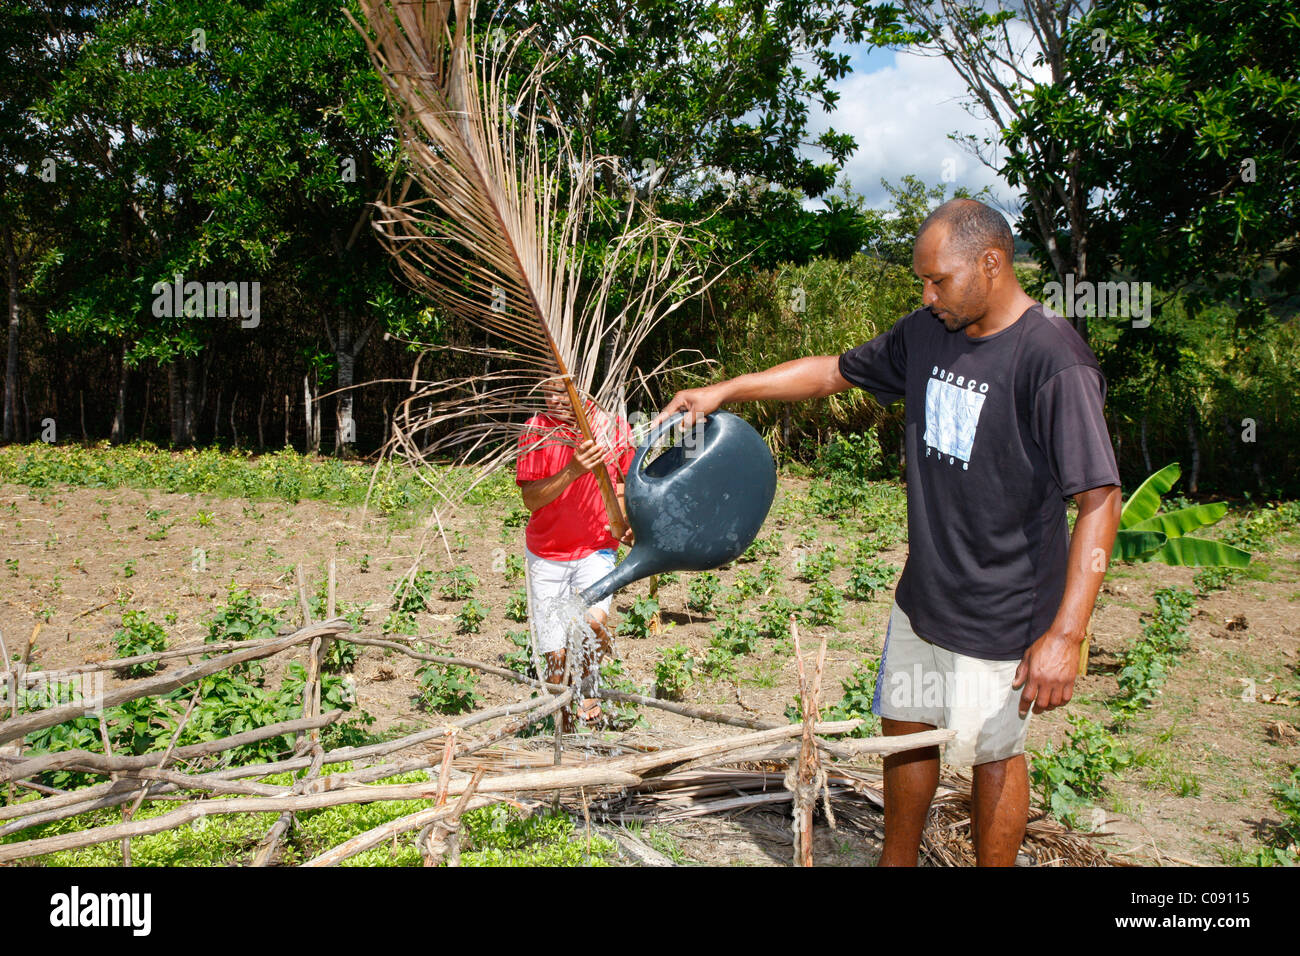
774, 619
139, 635
1144, 665
514, 568
1070, 777
638, 620
817, 566
868, 577
824, 604
673, 672
1146, 535
446, 688
702, 592
520, 660
619, 716
470, 618
517, 605
458, 583
858, 689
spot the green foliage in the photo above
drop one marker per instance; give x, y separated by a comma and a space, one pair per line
516, 517
1215, 579
1147, 535
283, 475
619, 716
243, 618
517, 605
846, 465
639, 618
858, 689
824, 604
520, 660
702, 592
414, 597
446, 688
673, 672
514, 568
470, 618
139, 635
822, 308
815, 567
500, 835
458, 583
774, 620
1143, 666
1074, 775
868, 577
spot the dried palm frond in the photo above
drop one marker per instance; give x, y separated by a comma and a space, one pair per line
489, 220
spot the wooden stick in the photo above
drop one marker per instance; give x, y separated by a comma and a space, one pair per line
685, 710
556, 778
372, 838
88, 760
22, 726
443, 837
117, 663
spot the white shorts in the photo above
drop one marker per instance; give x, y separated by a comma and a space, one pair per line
553, 587
923, 683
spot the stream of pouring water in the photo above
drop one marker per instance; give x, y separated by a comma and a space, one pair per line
582, 648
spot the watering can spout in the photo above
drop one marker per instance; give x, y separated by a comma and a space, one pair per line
696, 506
640, 563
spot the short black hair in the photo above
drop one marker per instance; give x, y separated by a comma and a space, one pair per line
972, 228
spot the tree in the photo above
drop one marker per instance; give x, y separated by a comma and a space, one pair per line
999, 50
1185, 118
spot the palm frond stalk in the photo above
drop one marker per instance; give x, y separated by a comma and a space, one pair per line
489, 219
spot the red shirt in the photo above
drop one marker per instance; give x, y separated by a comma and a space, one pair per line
573, 525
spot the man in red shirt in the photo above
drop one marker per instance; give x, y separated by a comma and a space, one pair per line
569, 545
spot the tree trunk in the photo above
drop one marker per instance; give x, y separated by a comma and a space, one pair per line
1192, 440
1142, 442
216, 419
191, 400
175, 403
261, 408
286, 419
234, 430
144, 414
117, 434
345, 355
10, 429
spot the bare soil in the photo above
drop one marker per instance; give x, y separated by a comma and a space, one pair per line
1206, 754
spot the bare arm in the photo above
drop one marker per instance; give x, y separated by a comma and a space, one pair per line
814, 377
1049, 667
540, 493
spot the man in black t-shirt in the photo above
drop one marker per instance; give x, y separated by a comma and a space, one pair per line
1004, 423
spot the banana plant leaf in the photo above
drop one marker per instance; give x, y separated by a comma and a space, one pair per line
1145, 502
1175, 524
1199, 553
1136, 545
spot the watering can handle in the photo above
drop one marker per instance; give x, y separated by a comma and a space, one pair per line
650, 439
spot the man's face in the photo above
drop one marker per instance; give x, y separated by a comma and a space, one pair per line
954, 288
557, 400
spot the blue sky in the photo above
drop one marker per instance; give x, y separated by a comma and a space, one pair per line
900, 107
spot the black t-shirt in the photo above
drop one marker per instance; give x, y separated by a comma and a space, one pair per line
1001, 430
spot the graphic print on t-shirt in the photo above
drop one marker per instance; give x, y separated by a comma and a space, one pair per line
952, 414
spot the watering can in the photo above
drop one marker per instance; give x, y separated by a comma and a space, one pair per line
696, 506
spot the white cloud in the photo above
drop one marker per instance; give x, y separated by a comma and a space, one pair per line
900, 113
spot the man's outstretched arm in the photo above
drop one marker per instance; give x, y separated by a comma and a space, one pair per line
814, 377
1049, 667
